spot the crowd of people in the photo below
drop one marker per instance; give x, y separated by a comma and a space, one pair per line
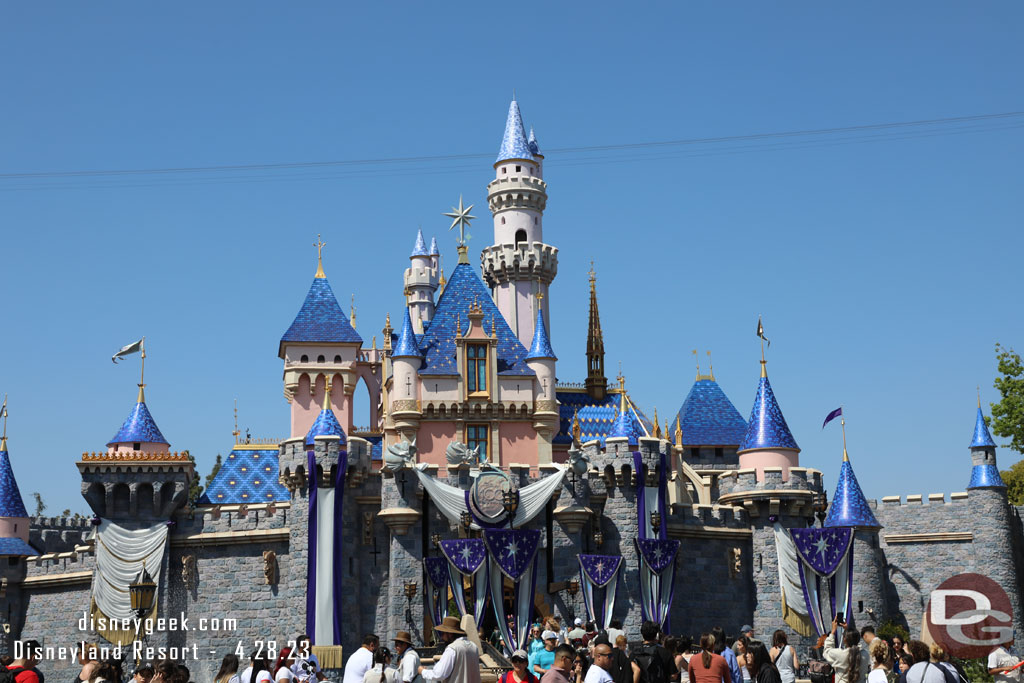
580, 654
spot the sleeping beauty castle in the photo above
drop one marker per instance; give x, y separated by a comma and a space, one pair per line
485, 485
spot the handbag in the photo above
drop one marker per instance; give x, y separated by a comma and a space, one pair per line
819, 671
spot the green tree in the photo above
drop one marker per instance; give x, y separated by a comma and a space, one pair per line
1014, 480
40, 505
213, 472
1008, 414
194, 489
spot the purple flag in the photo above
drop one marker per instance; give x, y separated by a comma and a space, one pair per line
467, 554
831, 416
822, 549
600, 569
437, 571
512, 549
658, 553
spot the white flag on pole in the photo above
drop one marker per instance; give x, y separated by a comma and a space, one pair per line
134, 347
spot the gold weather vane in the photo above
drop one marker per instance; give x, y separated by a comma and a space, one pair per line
236, 432
460, 217
319, 244
711, 368
696, 359
842, 423
3, 414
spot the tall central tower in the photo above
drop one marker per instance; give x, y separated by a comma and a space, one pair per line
519, 266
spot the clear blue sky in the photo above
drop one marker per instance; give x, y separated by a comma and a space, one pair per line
886, 267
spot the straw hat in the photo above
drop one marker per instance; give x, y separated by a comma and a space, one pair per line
403, 637
450, 625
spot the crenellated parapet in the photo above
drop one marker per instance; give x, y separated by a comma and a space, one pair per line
503, 263
136, 485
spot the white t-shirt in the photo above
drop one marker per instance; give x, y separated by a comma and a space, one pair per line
300, 673
357, 665
926, 672
596, 674
285, 675
263, 677
999, 658
877, 676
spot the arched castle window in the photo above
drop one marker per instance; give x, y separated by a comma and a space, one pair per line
520, 236
337, 359
321, 359
122, 500
304, 359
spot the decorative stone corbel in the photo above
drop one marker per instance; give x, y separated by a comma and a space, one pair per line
188, 571
269, 567
399, 519
734, 558
573, 517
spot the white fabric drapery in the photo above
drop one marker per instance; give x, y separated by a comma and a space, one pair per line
121, 554
323, 632
451, 500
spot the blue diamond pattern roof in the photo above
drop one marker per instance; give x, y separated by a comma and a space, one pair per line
139, 427
985, 476
420, 248
320, 319
708, 417
541, 347
438, 341
767, 427
532, 143
406, 346
247, 475
849, 507
376, 446
514, 144
16, 546
982, 437
433, 247
326, 424
597, 418
11, 504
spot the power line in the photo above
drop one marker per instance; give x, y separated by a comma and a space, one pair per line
865, 128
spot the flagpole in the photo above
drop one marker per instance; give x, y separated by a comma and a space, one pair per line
842, 423
142, 374
3, 414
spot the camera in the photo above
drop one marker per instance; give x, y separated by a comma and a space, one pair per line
841, 619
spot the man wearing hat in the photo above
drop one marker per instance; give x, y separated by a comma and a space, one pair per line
408, 658
576, 634
518, 674
748, 631
543, 659
460, 662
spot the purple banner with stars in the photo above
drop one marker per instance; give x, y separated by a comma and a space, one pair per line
465, 554
657, 553
437, 571
512, 549
822, 549
600, 569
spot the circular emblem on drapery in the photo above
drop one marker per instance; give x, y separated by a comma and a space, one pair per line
486, 496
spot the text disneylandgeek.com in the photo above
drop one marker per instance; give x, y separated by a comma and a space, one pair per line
146, 653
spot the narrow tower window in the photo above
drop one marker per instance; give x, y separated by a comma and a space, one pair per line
476, 435
520, 236
337, 359
476, 368
519, 169
320, 359
304, 359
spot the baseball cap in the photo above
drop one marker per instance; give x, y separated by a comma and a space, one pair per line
519, 654
578, 621
548, 635
746, 627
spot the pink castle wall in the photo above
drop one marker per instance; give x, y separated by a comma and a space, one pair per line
761, 459
432, 439
306, 407
14, 527
518, 443
144, 447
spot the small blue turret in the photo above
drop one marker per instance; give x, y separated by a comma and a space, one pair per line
514, 144
984, 472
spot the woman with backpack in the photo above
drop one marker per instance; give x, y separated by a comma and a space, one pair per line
784, 657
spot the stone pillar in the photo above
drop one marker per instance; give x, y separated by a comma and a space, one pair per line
993, 546
869, 582
572, 513
400, 512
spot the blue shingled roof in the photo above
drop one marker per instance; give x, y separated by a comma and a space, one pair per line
514, 144
139, 427
406, 346
326, 424
11, 504
708, 417
320, 319
433, 247
420, 248
982, 437
438, 341
849, 507
985, 476
541, 347
767, 427
247, 475
376, 447
597, 418
532, 143
16, 546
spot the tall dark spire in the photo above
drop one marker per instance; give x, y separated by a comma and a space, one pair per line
597, 383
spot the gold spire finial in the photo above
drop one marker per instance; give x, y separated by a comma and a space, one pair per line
236, 432
540, 300
679, 432
979, 397
142, 374
592, 274
711, 368
696, 359
327, 393
657, 425
373, 346
319, 244
622, 390
352, 312
577, 431
842, 423
666, 429
3, 414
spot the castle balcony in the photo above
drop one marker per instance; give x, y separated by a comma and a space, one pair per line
503, 263
517, 192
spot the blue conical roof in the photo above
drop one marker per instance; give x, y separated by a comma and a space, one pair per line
767, 427
982, 437
514, 144
11, 504
433, 247
320, 319
708, 417
849, 507
139, 427
985, 476
420, 248
532, 143
541, 347
406, 346
326, 424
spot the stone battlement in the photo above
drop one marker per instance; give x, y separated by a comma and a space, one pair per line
958, 497
800, 478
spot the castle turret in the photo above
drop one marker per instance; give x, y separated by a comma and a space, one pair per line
596, 383
984, 473
421, 282
406, 359
768, 442
519, 265
14, 519
541, 359
326, 424
319, 348
139, 432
